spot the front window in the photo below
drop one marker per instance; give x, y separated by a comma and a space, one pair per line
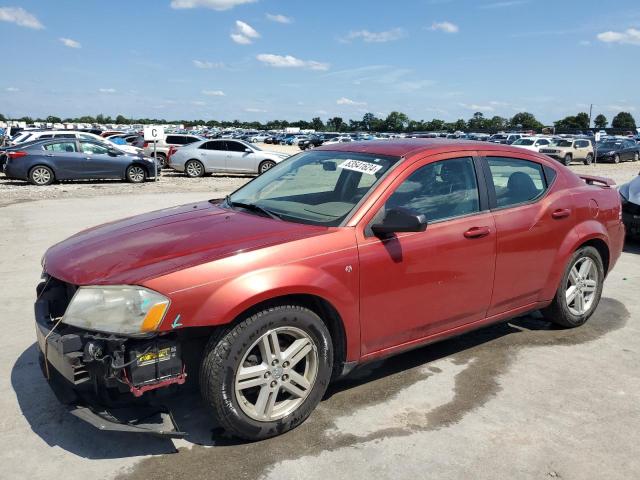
563, 143
318, 188
93, 148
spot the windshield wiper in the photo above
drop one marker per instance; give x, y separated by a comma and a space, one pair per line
253, 207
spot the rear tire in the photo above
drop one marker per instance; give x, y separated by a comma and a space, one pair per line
588, 160
567, 159
580, 290
41, 176
194, 169
258, 390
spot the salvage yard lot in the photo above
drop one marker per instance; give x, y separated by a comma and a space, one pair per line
517, 400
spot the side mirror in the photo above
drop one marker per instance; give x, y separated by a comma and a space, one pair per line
398, 220
113, 152
248, 150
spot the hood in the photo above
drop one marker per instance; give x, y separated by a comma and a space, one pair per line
139, 248
631, 190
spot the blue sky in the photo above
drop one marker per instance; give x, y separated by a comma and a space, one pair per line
266, 59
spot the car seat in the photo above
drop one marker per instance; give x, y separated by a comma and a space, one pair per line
520, 188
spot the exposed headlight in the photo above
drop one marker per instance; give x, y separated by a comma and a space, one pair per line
125, 309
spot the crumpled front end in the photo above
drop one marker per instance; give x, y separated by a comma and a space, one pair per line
111, 381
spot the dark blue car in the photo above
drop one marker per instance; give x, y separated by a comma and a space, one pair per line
43, 162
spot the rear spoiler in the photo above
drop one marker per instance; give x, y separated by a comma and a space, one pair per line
602, 181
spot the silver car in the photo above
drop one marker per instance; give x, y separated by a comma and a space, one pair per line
224, 155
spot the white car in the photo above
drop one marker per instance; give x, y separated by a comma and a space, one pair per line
342, 139
32, 135
532, 143
260, 137
222, 155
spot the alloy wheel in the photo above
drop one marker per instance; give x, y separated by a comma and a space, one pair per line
582, 285
266, 166
194, 169
136, 174
276, 374
41, 176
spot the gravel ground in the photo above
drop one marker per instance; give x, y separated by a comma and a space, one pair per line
14, 191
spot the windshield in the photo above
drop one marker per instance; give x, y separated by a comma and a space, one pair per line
318, 187
562, 143
523, 141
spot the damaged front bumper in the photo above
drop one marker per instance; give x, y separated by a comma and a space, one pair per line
104, 379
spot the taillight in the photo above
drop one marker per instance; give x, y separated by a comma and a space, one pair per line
146, 144
171, 151
17, 154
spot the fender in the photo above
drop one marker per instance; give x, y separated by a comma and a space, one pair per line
582, 232
222, 303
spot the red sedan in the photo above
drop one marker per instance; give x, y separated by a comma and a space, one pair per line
335, 257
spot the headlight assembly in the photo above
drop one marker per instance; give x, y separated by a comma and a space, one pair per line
126, 310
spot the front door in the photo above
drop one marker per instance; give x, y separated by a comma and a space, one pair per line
416, 285
238, 159
99, 163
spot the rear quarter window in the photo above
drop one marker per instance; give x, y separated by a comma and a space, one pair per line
516, 181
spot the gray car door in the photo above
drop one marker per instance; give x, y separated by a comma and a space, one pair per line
213, 155
99, 163
67, 161
239, 159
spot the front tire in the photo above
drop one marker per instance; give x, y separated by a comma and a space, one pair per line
567, 159
635, 157
136, 174
41, 176
162, 160
267, 374
580, 290
266, 165
616, 158
194, 169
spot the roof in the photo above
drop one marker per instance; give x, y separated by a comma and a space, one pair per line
410, 146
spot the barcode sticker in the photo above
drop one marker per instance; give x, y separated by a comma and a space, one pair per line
360, 166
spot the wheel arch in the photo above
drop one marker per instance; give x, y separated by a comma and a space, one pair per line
590, 233
318, 305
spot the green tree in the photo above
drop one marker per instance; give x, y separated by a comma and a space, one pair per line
497, 123
526, 121
2, 118
600, 121
434, 125
577, 122
396, 122
624, 121
477, 122
52, 119
459, 125
121, 120
335, 123
317, 124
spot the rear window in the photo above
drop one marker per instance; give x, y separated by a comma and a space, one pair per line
68, 147
175, 140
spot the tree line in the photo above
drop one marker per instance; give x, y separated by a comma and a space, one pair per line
394, 122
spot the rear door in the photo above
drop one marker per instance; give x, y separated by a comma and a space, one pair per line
67, 161
532, 216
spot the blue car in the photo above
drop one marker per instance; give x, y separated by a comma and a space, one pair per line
43, 162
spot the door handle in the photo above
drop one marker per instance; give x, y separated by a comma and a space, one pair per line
477, 232
49, 155
561, 213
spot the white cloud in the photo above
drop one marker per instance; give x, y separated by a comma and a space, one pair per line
348, 101
631, 36
198, 103
505, 4
12, 89
213, 4
207, 65
376, 37
67, 42
278, 18
621, 108
107, 90
244, 33
446, 27
20, 17
288, 61
254, 110
477, 108
213, 93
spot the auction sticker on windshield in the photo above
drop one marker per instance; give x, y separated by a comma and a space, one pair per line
360, 166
